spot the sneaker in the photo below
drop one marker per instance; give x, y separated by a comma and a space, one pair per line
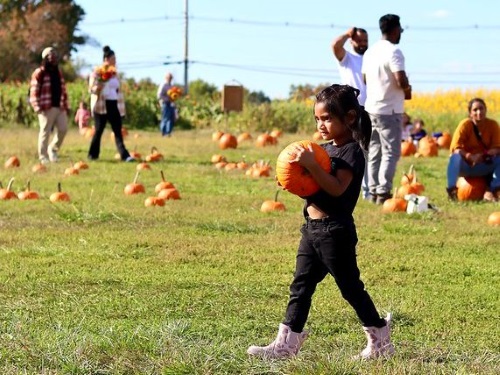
489, 197
44, 161
53, 155
130, 159
381, 198
452, 193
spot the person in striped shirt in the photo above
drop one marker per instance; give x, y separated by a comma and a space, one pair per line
49, 100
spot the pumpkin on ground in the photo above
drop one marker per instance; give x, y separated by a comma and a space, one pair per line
28, 194
408, 148
12, 162
81, 165
154, 201
394, 205
59, 195
427, 147
163, 184
295, 178
494, 219
39, 168
444, 140
228, 141
217, 135
269, 206
167, 194
134, 187
265, 139
471, 188
245, 136
154, 156
7, 193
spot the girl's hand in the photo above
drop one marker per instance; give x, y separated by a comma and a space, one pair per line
303, 156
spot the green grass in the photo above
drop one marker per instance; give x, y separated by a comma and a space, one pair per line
104, 285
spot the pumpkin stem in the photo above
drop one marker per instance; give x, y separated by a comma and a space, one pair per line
9, 185
276, 195
28, 185
162, 176
154, 150
59, 189
136, 177
411, 170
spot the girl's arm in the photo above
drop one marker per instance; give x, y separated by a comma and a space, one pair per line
333, 185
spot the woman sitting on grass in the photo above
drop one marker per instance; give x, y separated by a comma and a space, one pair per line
475, 151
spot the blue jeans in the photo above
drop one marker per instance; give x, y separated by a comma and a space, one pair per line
328, 247
384, 152
167, 118
458, 167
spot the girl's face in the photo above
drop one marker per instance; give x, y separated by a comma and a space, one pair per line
111, 60
330, 127
477, 112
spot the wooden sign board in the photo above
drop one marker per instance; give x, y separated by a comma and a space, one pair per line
232, 98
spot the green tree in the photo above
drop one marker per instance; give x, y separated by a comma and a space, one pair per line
28, 26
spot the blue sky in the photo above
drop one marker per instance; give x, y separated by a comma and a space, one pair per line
269, 45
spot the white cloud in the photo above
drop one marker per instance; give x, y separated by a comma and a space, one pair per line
441, 13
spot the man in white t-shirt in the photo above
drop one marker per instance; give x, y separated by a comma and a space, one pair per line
349, 65
387, 87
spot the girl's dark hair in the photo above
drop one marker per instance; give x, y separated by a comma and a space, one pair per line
339, 100
107, 52
474, 100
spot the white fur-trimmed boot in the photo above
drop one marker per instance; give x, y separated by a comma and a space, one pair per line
287, 344
379, 341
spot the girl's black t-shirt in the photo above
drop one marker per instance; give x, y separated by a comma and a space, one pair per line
349, 156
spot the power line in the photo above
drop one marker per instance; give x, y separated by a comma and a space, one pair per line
285, 24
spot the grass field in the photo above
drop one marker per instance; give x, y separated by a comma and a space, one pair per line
104, 285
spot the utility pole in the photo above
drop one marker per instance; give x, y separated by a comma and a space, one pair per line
186, 17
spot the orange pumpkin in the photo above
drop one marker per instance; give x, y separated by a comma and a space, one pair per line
220, 165
471, 188
217, 135
143, 166
71, 171
245, 136
295, 178
155, 155
154, 201
428, 147
216, 158
444, 140
59, 195
394, 205
12, 162
7, 193
317, 136
228, 141
276, 133
494, 219
265, 139
39, 168
134, 187
408, 148
167, 194
81, 165
28, 194
268, 206
163, 184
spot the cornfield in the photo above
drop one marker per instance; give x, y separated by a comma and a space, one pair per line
443, 110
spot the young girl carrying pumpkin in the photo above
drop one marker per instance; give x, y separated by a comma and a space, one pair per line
328, 243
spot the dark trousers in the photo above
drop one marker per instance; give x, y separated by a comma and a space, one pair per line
113, 116
328, 247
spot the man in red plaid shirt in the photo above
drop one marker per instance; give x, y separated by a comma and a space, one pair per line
49, 100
